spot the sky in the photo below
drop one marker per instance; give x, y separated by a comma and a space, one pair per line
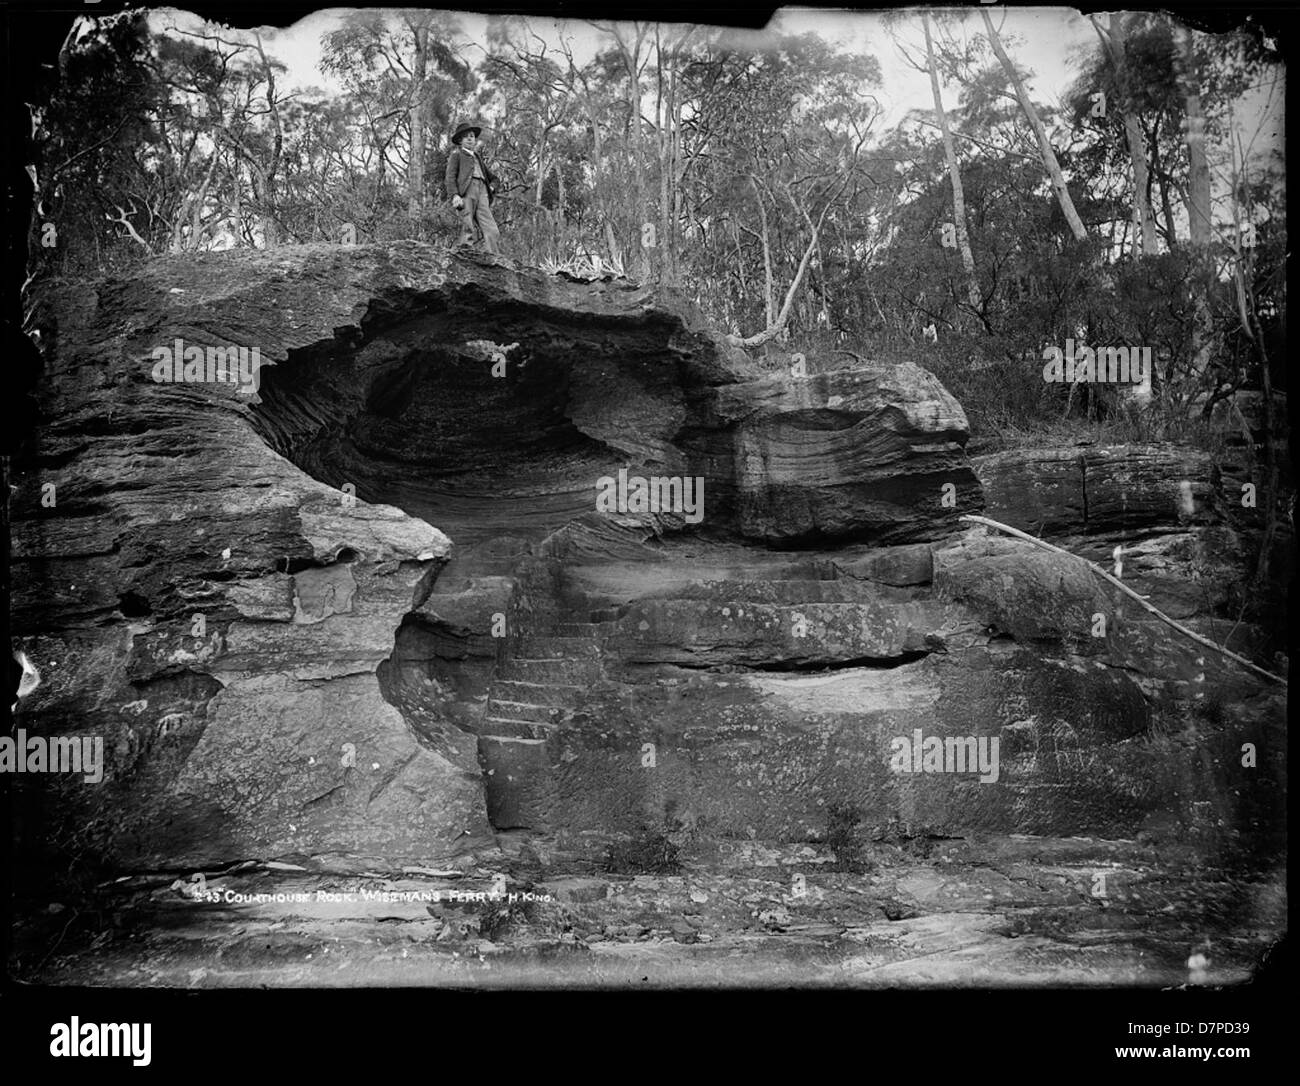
1050, 40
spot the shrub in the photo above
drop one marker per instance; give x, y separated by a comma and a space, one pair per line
842, 837
649, 852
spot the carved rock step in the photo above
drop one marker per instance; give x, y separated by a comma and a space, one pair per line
556, 670
586, 629
501, 727
520, 710
789, 593
535, 693
552, 647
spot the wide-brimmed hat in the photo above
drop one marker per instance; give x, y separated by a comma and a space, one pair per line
460, 132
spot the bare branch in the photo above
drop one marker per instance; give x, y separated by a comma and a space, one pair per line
131, 230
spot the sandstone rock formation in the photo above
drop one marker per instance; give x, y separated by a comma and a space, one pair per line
373, 614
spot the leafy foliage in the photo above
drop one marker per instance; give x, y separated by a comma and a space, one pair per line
750, 172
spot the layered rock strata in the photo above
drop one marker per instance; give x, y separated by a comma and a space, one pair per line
376, 609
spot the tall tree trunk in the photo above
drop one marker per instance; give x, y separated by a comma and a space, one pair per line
541, 162
954, 173
237, 203
740, 261
196, 206
631, 63
1143, 220
270, 226
177, 244
678, 175
1248, 309
1044, 145
1198, 207
672, 121
1113, 39
559, 217
598, 156
1198, 188
662, 126
769, 304
415, 168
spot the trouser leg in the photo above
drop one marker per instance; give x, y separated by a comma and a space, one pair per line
467, 219
487, 223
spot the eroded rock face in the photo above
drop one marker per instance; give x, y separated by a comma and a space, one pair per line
375, 610
851, 454
1188, 528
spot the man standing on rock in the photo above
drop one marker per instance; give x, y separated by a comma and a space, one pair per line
470, 186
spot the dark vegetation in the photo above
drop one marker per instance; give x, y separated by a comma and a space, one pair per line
649, 851
842, 837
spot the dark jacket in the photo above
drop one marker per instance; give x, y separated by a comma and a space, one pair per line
460, 172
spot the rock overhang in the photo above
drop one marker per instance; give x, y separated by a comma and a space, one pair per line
520, 397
